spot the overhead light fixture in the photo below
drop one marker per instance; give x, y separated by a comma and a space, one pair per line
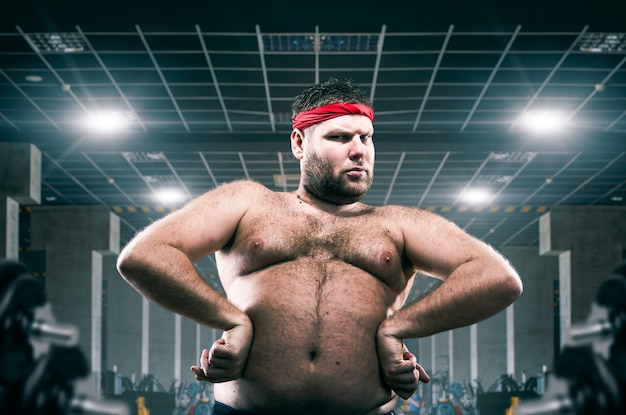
33, 78
603, 42
143, 156
56, 42
476, 196
543, 121
170, 196
320, 43
107, 121
512, 156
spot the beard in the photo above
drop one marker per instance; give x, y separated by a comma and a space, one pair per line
320, 181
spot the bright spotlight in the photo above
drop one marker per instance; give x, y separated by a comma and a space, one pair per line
106, 121
476, 196
170, 196
543, 121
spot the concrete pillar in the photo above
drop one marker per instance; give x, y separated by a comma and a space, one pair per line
590, 242
473, 333
423, 347
531, 323
426, 358
162, 345
510, 340
190, 336
460, 356
491, 348
123, 322
441, 349
145, 337
75, 238
20, 183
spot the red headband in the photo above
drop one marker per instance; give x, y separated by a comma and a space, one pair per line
326, 112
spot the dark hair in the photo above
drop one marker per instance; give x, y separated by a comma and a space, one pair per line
329, 92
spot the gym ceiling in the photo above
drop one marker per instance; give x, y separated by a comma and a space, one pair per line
206, 88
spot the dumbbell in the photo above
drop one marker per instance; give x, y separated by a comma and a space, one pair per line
593, 386
591, 369
49, 389
23, 319
44, 384
586, 385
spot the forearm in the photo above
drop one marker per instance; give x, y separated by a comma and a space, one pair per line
168, 278
473, 292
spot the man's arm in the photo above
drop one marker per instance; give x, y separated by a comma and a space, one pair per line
159, 263
477, 283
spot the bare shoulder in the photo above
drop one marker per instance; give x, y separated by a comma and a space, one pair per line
243, 185
411, 215
229, 200
418, 224
237, 191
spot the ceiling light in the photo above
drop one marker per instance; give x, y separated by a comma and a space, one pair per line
56, 42
169, 196
476, 196
143, 156
513, 156
543, 121
321, 42
33, 78
106, 121
603, 42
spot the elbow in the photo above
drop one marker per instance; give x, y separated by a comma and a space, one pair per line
512, 287
122, 264
127, 264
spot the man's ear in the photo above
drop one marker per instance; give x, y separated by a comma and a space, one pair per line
297, 143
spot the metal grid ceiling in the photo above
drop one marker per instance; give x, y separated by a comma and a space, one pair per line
207, 107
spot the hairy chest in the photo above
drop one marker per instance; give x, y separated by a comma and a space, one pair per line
281, 235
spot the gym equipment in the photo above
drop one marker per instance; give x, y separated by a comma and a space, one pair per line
43, 382
21, 296
591, 370
49, 389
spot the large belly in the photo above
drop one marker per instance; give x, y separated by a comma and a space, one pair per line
314, 347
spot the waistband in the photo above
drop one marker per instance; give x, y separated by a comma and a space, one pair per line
222, 409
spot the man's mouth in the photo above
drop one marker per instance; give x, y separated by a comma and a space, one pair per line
357, 172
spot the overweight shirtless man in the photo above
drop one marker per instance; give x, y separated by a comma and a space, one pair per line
316, 281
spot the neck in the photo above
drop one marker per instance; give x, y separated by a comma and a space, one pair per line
306, 197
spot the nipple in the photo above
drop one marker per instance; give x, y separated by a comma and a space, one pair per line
386, 258
256, 244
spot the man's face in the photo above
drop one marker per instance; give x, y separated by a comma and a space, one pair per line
338, 159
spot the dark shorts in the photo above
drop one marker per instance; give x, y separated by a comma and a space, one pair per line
221, 409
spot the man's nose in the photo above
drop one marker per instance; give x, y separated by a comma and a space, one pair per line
357, 147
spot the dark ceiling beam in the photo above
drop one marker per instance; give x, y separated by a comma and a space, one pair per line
385, 141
